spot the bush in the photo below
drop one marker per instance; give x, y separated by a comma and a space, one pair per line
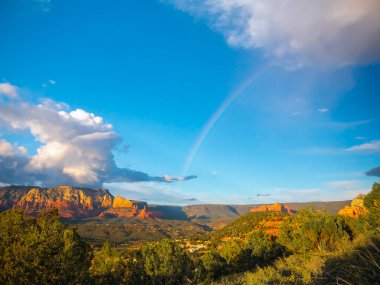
41, 251
358, 266
164, 263
262, 248
372, 203
311, 230
107, 267
214, 264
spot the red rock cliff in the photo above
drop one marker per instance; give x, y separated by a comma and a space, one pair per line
277, 207
357, 208
71, 202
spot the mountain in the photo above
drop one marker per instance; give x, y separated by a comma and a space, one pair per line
79, 203
277, 207
210, 212
71, 202
216, 212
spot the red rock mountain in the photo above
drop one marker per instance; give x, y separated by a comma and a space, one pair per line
277, 207
357, 208
71, 202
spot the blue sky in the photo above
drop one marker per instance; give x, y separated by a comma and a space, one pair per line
302, 123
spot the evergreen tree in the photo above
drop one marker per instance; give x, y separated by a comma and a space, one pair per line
108, 267
372, 203
166, 263
41, 251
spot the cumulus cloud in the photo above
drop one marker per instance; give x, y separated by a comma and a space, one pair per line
8, 90
374, 172
12, 160
76, 147
295, 33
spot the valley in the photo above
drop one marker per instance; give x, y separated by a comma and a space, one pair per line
99, 216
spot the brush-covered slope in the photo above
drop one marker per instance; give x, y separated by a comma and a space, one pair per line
250, 222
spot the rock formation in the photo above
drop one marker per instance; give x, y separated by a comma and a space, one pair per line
357, 208
71, 202
121, 202
277, 207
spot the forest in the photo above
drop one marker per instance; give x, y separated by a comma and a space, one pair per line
311, 247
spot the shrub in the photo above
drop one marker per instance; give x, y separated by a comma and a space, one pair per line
310, 230
41, 251
166, 263
108, 267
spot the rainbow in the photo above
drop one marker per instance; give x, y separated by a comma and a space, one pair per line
216, 116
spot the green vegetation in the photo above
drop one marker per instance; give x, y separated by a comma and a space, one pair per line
119, 231
108, 266
372, 203
41, 251
311, 247
310, 230
248, 223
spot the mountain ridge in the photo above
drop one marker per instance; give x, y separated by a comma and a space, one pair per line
71, 202
100, 203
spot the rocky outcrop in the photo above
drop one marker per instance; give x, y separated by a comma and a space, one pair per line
277, 207
121, 202
71, 202
357, 208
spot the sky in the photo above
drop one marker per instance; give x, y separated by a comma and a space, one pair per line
182, 102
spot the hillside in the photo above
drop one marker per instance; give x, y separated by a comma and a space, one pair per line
250, 222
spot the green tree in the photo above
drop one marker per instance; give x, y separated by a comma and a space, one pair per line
311, 230
135, 271
166, 263
372, 203
108, 266
41, 251
232, 252
262, 248
214, 264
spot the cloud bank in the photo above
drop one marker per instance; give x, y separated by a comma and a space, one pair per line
374, 172
76, 146
326, 33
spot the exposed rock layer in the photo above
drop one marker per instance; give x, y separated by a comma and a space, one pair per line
277, 207
357, 208
71, 202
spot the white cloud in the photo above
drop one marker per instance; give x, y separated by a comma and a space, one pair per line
323, 110
8, 90
328, 33
151, 192
373, 146
332, 192
76, 147
346, 185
